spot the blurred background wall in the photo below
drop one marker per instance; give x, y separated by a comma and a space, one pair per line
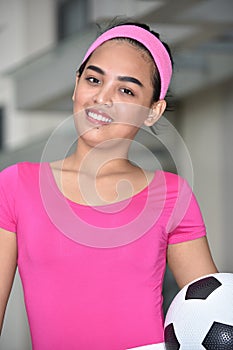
41, 45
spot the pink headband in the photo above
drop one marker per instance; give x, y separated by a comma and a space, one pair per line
154, 45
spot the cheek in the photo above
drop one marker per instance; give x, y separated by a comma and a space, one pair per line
78, 101
80, 95
131, 114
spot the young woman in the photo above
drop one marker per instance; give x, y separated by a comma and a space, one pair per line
94, 231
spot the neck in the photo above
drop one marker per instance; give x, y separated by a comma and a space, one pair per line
99, 161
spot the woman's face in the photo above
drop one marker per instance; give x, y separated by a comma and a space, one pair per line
112, 98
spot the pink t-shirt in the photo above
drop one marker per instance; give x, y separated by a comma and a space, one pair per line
92, 276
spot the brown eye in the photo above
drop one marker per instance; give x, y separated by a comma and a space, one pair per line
127, 91
93, 80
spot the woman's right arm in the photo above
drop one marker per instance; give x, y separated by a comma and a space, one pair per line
8, 263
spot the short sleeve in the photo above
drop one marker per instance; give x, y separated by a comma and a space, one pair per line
8, 190
186, 221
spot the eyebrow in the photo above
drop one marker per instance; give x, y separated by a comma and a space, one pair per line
120, 78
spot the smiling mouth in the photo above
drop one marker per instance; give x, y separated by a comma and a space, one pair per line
97, 117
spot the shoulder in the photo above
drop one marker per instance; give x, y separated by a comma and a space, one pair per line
17, 166
11, 169
172, 178
173, 182
9, 175
13, 172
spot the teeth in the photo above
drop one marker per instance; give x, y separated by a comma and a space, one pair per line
99, 117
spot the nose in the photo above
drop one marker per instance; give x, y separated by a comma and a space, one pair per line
104, 96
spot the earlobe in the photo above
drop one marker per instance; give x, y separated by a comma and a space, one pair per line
149, 120
157, 111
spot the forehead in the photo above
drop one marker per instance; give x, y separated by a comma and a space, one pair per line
123, 54
124, 45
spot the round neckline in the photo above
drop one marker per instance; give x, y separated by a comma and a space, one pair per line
58, 191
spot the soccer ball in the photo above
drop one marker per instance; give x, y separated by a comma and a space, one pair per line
201, 315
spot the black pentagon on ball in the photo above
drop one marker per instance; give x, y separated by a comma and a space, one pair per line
219, 337
171, 342
202, 288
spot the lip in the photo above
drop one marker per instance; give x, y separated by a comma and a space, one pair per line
97, 112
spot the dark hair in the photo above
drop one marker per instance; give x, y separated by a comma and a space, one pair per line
156, 83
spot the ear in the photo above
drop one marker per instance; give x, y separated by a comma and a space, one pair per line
75, 87
156, 112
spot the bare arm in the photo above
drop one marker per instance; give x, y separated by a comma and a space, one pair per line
190, 260
8, 262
